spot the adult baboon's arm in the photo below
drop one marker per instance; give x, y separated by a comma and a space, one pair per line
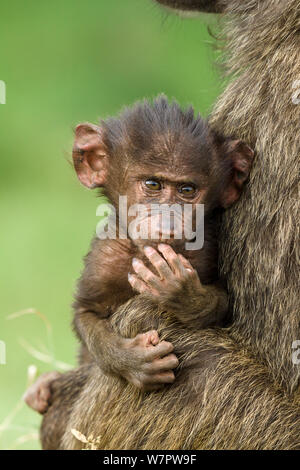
208, 6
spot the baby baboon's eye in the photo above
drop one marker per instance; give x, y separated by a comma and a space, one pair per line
153, 185
187, 189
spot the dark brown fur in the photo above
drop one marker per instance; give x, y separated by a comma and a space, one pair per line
243, 392
153, 140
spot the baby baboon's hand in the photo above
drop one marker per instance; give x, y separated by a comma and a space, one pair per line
150, 362
38, 396
175, 281
177, 288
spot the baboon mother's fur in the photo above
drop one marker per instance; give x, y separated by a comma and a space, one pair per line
236, 388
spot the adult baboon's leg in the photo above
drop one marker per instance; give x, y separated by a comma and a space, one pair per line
65, 391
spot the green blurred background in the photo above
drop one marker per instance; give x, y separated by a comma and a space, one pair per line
64, 62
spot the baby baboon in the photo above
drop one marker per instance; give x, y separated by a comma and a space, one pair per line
163, 159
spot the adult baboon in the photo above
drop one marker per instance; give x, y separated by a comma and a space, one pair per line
236, 388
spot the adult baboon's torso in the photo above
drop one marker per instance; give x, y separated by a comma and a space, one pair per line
260, 247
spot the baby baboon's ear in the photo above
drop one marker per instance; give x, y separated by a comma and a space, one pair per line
89, 156
240, 156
